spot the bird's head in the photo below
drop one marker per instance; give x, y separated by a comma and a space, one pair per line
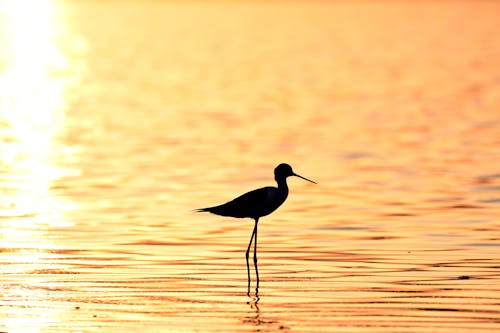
285, 170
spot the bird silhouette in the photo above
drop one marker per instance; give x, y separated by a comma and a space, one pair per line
256, 204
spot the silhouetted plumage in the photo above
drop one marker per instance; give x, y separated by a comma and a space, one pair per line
255, 204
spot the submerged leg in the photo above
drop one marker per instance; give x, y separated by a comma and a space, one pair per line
247, 254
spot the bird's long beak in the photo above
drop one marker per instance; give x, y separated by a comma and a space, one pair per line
296, 175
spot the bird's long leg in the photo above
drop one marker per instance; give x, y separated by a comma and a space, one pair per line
255, 259
247, 254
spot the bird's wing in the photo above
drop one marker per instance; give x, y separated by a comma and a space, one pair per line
249, 204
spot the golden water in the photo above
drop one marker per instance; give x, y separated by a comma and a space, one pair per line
119, 118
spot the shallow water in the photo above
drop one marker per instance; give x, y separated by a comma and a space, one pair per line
118, 119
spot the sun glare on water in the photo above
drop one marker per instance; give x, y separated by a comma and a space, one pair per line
32, 114
31, 103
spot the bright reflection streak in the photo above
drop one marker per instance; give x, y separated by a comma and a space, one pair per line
33, 80
32, 104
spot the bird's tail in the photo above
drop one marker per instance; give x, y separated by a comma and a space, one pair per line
218, 210
198, 210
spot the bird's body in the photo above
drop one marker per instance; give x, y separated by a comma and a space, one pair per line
255, 204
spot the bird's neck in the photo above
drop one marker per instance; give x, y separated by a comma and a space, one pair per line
282, 185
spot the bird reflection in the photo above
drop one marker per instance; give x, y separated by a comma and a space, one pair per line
255, 204
258, 319
254, 302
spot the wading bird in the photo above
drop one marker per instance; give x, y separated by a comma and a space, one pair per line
255, 204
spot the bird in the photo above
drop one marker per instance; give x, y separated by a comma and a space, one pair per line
256, 204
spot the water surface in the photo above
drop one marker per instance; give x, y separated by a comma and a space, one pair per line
118, 119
